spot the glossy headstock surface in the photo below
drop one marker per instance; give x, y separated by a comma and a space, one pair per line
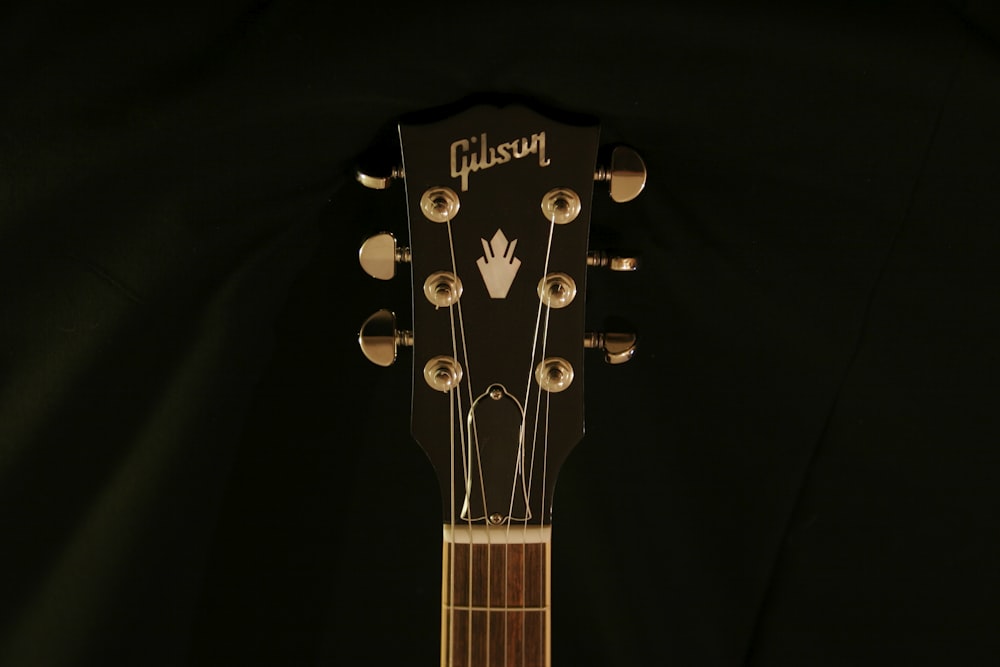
498, 200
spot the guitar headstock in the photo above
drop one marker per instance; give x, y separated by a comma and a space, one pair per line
498, 201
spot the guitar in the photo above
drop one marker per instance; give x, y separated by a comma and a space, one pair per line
498, 200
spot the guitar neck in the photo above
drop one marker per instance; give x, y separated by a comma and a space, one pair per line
498, 199
495, 596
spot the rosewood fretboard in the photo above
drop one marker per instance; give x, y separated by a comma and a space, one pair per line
495, 597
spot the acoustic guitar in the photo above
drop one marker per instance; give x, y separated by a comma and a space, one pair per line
499, 200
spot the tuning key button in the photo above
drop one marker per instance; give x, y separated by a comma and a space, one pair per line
379, 255
376, 182
379, 339
612, 262
626, 175
618, 347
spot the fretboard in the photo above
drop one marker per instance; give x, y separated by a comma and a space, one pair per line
495, 596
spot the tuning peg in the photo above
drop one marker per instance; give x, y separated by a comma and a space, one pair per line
618, 347
602, 259
626, 174
376, 182
379, 339
379, 255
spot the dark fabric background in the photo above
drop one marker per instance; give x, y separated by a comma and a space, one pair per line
197, 466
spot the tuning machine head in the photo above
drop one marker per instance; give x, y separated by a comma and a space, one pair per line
625, 174
379, 255
599, 258
378, 181
380, 339
618, 347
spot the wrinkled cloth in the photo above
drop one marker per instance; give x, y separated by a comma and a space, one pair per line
198, 467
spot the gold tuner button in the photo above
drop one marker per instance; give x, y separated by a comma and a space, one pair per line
626, 175
376, 182
618, 347
612, 262
379, 339
379, 255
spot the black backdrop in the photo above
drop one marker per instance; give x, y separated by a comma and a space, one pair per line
197, 467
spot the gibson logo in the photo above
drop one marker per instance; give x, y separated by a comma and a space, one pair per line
466, 158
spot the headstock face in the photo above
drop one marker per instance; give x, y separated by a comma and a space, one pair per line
498, 202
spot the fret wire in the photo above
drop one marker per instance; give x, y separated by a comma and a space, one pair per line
496, 609
526, 633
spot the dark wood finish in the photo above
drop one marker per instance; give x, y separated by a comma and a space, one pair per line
497, 439
498, 341
495, 605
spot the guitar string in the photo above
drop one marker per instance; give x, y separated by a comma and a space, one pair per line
451, 547
538, 421
489, 527
534, 348
455, 402
519, 466
472, 436
543, 547
531, 465
473, 432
